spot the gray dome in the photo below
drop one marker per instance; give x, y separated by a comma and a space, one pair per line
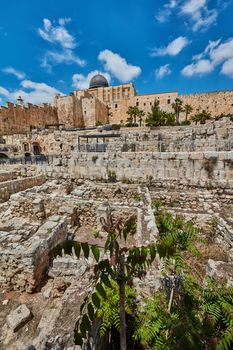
98, 80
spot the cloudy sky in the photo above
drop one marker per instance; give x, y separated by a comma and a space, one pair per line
51, 46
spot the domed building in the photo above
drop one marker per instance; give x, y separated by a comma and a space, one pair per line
97, 81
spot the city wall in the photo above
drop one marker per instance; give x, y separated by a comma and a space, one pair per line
19, 119
216, 103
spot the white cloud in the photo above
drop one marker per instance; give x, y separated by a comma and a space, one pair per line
10, 70
118, 67
197, 12
30, 91
57, 34
64, 42
81, 81
227, 68
164, 13
63, 21
173, 48
222, 52
52, 58
200, 68
208, 49
192, 6
4, 92
215, 54
162, 71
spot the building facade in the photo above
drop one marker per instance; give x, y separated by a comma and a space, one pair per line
103, 104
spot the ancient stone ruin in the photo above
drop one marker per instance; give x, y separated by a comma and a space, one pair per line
84, 176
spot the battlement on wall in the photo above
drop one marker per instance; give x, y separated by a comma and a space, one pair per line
208, 93
20, 118
27, 106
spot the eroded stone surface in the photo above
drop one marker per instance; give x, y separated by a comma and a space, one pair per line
19, 317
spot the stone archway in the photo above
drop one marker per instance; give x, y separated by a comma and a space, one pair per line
36, 148
3, 157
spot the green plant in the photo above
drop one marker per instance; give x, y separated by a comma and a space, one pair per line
116, 126
201, 117
108, 311
96, 233
121, 265
187, 312
94, 159
134, 112
112, 176
178, 108
138, 197
157, 117
187, 109
156, 204
185, 122
98, 123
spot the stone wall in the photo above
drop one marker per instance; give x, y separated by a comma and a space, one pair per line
19, 119
216, 103
7, 188
194, 167
7, 175
69, 110
23, 265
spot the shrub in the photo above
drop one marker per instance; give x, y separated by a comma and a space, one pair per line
116, 126
185, 122
94, 159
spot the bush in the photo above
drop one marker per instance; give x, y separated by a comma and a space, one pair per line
116, 126
185, 122
131, 125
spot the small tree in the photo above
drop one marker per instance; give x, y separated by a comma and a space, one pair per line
187, 109
122, 264
157, 117
201, 117
141, 114
134, 112
177, 107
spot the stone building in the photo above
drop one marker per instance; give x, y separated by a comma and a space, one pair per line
102, 104
119, 98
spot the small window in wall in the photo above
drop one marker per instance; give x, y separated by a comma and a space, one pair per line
85, 112
137, 104
144, 103
25, 147
116, 105
150, 103
168, 101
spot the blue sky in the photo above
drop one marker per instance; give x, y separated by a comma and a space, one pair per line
51, 46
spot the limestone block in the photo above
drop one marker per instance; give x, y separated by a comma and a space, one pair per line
220, 270
19, 317
196, 155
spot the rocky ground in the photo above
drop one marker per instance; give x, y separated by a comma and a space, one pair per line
40, 299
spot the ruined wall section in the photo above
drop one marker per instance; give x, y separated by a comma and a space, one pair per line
19, 119
216, 103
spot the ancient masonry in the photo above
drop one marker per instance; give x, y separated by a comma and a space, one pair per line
83, 176
58, 180
102, 104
